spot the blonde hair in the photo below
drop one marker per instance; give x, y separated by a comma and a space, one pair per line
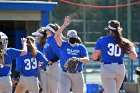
2, 53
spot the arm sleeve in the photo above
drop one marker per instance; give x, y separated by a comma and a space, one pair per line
43, 59
98, 44
14, 52
83, 50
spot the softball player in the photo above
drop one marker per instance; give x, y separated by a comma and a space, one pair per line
51, 51
112, 48
6, 57
41, 39
28, 67
69, 49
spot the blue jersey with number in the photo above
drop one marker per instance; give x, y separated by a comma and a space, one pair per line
51, 48
11, 53
110, 50
67, 51
28, 66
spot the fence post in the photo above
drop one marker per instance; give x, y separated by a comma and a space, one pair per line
131, 70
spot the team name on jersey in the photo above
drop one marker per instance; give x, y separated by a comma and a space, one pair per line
72, 52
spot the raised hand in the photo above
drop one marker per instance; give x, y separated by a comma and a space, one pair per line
23, 41
67, 20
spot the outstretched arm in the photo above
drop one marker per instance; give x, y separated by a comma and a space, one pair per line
59, 31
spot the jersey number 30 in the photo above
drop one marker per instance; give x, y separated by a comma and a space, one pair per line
114, 50
30, 64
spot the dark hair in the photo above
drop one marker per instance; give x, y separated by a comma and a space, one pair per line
124, 44
31, 46
43, 39
54, 26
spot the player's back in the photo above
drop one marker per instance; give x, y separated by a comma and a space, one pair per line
28, 65
111, 52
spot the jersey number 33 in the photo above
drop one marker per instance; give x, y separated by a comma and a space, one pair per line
30, 64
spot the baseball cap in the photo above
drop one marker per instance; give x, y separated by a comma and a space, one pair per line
49, 28
38, 32
72, 33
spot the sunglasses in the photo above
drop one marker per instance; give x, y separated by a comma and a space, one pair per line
73, 35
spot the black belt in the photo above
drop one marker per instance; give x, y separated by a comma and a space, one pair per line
3, 75
77, 71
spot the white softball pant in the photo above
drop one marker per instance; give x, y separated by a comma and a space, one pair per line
74, 81
5, 84
112, 76
27, 83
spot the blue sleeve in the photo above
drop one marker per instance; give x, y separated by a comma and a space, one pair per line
55, 49
84, 52
98, 44
14, 52
45, 48
18, 64
43, 59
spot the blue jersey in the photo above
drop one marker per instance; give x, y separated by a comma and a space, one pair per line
28, 66
67, 51
51, 48
111, 52
11, 53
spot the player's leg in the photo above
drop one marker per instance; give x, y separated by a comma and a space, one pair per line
33, 85
7, 84
108, 79
64, 83
120, 75
54, 73
43, 81
78, 83
21, 86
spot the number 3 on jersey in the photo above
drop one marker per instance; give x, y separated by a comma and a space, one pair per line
30, 64
114, 50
